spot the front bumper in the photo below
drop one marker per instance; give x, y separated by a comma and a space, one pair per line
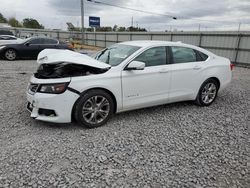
61, 104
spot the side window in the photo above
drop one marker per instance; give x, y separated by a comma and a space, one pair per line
183, 55
201, 56
53, 41
35, 41
153, 56
49, 41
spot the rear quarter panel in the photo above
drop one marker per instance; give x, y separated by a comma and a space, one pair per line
218, 67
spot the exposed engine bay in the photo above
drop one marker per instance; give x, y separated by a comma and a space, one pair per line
63, 70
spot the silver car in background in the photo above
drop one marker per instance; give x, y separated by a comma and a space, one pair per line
9, 39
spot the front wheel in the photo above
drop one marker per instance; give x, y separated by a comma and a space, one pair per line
94, 108
207, 93
10, 54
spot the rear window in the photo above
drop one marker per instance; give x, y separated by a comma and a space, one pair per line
202, 56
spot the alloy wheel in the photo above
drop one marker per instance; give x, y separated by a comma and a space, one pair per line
10, 54
208, 93
96, 109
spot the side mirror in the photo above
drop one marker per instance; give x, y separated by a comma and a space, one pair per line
27, 44
136, 65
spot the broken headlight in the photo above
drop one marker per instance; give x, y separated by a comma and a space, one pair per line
53, 88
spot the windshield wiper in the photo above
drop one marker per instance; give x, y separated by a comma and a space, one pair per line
108, 58
101, 53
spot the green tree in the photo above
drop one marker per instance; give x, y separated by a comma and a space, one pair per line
13, 22
90, 29
115, 27
136, 29
76, 29
142, 29
121, 29
2, 19
105, 29
32, 23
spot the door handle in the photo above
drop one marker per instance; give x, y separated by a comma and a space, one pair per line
197, 68
163, 71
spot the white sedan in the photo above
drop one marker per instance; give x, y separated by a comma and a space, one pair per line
130, 75
9, 39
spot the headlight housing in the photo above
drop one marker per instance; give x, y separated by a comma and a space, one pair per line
2, 47
56, 88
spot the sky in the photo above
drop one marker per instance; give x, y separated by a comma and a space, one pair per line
190, 14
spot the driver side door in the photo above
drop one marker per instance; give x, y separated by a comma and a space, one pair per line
150, 86
30, 48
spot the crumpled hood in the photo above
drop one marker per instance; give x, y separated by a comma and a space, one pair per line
53, 56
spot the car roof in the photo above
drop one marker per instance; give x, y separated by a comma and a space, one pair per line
148, 43
151, 43
37, 37
7, 36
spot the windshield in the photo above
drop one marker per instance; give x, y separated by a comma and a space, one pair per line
115, 54
26, 40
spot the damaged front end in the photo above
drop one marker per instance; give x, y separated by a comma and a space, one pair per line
65, 63
63, 70
52, 91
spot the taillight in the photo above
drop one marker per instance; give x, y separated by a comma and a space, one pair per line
231, 66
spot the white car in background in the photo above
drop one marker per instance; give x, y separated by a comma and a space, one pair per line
9, 39
125, 76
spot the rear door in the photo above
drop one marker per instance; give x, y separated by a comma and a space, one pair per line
186, 73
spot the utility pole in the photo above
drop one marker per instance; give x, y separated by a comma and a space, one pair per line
199, 27
132, 21
239, 27
82, 16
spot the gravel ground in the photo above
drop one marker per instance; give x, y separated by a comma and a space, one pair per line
175, 145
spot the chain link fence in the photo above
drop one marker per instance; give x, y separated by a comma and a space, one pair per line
231, 44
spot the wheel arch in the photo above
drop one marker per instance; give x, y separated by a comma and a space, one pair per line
95, 88
216, 79
213, 78
10, 48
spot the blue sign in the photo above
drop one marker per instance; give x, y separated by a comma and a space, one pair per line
94, 21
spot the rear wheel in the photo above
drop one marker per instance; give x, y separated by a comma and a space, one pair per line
207, 93
10, 54
94, 108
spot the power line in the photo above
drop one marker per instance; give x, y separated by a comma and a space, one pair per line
137, 10
160, 14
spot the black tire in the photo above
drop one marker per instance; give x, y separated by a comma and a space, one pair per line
10, 54
85, 101
200, 99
